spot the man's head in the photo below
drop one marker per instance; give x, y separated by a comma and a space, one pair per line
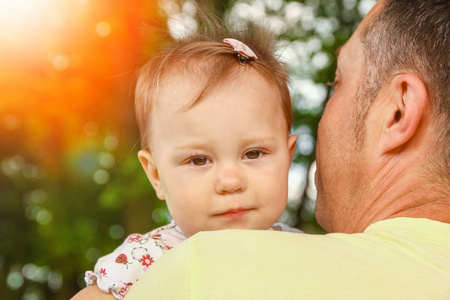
389, 114
411, 36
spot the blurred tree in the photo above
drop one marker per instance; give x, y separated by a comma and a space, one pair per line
67, 129
71, 186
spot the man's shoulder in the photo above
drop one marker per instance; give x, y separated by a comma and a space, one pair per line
396, 254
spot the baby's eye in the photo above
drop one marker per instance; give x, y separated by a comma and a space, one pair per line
253, 154
199, 161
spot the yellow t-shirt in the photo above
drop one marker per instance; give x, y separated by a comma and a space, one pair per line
402, 258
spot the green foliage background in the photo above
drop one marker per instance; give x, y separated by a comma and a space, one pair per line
53, 228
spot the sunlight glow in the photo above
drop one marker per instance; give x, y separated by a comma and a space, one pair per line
19, 10
24, 23
21, 15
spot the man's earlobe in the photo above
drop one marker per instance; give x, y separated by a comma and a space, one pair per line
149, 166
407, 103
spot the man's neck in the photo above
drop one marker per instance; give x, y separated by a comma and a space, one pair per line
396, 190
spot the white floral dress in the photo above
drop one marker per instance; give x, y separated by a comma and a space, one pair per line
115, 273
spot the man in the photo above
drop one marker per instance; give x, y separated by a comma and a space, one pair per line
383, 161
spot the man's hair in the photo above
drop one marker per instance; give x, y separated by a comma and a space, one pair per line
205, 56
411, 36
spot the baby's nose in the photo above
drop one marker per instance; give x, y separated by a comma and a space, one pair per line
230, 179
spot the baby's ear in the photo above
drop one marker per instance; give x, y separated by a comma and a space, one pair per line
148, 163
292, 141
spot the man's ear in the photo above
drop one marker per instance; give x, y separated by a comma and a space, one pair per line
406, 107
148, 163
292, 141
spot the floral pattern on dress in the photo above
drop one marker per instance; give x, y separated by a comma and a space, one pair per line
147, 260
116, 273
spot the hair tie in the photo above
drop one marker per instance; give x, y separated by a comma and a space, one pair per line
243, 51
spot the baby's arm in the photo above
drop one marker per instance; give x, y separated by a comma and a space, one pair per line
115, 273
92, 292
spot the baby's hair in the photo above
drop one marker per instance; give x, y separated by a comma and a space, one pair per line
218, 62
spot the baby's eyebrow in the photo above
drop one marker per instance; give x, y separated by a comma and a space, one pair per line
255, 140
196, 144
192, 144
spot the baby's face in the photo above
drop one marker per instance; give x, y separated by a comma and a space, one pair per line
224, 162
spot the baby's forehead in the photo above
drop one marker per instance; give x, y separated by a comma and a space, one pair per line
181, 88
176, 90
180, 95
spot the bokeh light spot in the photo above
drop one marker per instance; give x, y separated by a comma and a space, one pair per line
111, 142
12, 122
55, 281
189, 8
181, 25
103, 29
30, 171
61, 62
314, 44
365, 5
160, 215
14, 280
101, 176
321, 60
12, 165
29, 271
92, 254
38, 196
293, 12
33, 293
44, 217
17, 162
274, 4
297, 183
311, 190
116, 231
169, 7
106, 160
349, 4
305, 144
42, 274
